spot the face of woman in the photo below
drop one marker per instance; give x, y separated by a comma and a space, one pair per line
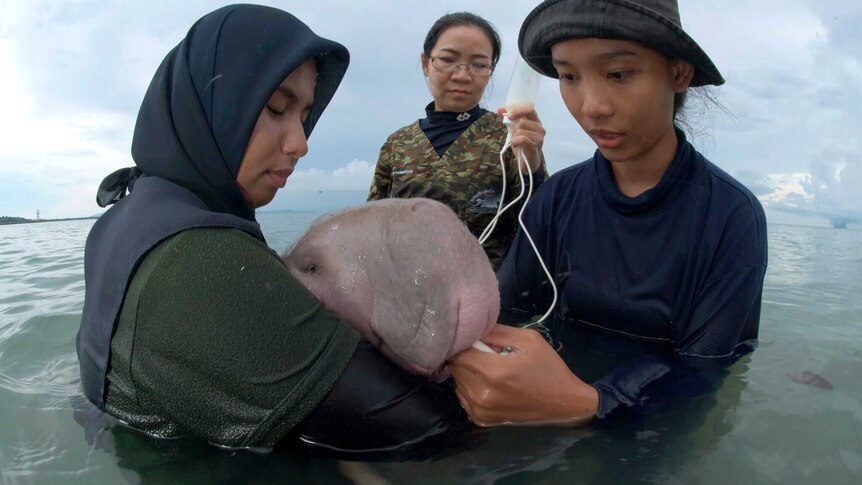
278, 139
459, 90
621, 93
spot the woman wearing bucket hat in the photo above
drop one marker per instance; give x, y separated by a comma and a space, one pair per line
656, 251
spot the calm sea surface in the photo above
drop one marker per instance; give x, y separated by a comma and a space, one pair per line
760, 427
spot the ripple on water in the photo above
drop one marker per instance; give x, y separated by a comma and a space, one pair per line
16, 309
763, 428
39, 357
9, 252
35, 453
56, 282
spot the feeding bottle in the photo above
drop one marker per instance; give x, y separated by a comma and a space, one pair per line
523, 88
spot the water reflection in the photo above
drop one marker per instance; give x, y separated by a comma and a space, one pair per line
805, 257
143, 459
758, 427
655, 446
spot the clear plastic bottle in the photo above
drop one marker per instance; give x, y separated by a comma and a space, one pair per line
524, 87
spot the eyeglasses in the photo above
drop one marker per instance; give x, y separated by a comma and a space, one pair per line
450, 64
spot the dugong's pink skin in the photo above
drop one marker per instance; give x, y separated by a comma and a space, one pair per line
406, 273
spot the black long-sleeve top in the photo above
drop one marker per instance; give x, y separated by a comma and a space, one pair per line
679, 267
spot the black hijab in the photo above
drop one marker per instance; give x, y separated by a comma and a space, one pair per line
190, 137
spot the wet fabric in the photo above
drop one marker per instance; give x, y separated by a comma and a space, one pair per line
467, 178
192, 129
218, 340
375, 407
680, 267
251, 345
116, 185
444, 127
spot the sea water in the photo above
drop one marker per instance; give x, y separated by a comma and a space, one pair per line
759, 427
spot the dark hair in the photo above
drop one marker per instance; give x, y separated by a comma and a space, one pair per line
706, 105
462, 18
679, 103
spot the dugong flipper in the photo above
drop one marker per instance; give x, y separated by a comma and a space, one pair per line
406, 273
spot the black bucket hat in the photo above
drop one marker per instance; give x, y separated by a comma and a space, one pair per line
653, 23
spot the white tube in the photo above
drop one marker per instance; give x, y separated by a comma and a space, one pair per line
523, 90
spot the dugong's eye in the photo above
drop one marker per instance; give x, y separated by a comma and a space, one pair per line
311, 268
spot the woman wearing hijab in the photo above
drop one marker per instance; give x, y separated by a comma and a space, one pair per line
453, 154
191, 324
652, 246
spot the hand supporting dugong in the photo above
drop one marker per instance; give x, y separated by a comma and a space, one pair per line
406, 273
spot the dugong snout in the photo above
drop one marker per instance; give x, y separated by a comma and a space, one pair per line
406, 273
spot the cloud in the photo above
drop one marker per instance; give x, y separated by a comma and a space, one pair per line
834, 184
356, 175
320, 190
793, 91
788, 188
74, 74
71, 84
758, 184
828, 109
60, 162
829, 191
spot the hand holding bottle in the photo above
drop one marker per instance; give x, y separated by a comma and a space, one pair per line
528, 135
519, 113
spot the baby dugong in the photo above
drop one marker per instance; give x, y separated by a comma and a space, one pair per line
406, 273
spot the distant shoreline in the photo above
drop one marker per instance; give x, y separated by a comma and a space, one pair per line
5, 220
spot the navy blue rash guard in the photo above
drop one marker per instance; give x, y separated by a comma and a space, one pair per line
679, 267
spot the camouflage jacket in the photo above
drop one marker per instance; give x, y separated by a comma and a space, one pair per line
468, 177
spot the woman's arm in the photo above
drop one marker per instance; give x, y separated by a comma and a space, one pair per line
230, 347
722, 326
375, 406
526, 384
226, 343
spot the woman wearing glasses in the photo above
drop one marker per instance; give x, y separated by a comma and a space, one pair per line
453, 154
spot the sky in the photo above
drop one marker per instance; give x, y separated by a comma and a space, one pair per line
73, 74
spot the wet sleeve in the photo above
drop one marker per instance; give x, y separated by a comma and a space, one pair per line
648, 383
726, 313
381, 184
228, 344
696, 367
375, 406
632, 387
723, 325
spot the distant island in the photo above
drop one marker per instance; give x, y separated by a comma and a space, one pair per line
841, 222
4, 220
